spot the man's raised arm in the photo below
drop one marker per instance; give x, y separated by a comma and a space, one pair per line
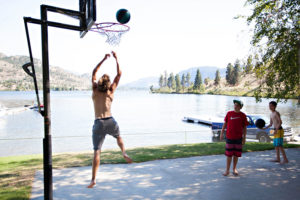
96, 69
119, 73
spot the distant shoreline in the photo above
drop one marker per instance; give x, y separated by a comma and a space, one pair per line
223, 93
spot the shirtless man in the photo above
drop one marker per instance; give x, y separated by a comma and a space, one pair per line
103, 95
276, 122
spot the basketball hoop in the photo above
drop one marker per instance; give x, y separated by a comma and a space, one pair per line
113, 31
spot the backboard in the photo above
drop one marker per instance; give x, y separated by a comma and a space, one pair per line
88, 8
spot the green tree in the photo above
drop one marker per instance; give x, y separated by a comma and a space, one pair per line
217, 78
188, 79
183, 81
236, 73
198, 80
229, 73
161, 81
151, 88
206, 80
178, 83
165, 79
249, 65
171, 82
277, 33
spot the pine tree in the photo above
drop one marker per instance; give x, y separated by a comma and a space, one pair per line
198, 80
169, 81
218, 78
166, 79
188, 79
236, 73
249, 65
206, 80
178, 84
173, 81
161, 81
183, 81
229, 73
151, 88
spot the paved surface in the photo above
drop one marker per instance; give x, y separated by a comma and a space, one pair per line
184, 178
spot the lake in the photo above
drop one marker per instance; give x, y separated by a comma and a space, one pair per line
145, 119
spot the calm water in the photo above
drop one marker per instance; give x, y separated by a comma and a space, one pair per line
145, 119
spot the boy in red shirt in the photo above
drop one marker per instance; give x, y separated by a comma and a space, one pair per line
236, 125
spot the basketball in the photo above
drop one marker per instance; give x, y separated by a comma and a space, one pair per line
123, 16
260, 123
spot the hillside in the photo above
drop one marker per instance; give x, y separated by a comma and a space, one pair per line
13, 76
206, 71
246, 87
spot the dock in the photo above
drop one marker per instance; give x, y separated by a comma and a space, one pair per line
203, 119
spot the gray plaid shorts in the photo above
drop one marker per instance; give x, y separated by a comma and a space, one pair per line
101, 128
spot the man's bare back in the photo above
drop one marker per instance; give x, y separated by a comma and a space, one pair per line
102, 103
103, 99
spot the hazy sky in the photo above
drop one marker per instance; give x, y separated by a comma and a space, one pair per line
170, 35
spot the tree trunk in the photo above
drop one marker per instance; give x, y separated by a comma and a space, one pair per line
299, 72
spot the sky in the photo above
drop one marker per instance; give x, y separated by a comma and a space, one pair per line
171, 35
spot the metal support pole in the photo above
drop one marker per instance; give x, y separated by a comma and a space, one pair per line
48, 182
32, 66
47, 144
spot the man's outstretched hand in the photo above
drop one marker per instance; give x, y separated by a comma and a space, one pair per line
114, 54
106, 56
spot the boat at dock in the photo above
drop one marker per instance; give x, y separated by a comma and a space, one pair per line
253, 132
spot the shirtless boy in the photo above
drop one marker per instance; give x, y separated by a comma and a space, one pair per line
103, 95
276, 122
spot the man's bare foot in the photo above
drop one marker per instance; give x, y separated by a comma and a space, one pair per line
275, 160
235, 173
92, 184
127, 158
284, 162
226, 173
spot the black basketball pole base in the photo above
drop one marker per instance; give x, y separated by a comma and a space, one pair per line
48, 180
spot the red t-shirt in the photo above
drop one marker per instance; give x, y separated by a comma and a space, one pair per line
235, 124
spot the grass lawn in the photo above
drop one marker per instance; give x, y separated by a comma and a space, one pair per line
17, 172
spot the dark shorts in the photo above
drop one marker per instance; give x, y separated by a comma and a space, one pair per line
234, 148
101, 128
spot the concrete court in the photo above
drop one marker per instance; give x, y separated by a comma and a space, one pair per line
184, 178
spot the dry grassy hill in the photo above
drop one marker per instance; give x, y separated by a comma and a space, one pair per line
246, 87
14, 78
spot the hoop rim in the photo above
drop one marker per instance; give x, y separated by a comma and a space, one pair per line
104, 27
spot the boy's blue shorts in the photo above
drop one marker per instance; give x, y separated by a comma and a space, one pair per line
278, 142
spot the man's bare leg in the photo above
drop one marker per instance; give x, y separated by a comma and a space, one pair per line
121, 145
285, 160
228, 163
235, 161
96, 163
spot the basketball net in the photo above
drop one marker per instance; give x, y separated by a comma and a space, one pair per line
112, 31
